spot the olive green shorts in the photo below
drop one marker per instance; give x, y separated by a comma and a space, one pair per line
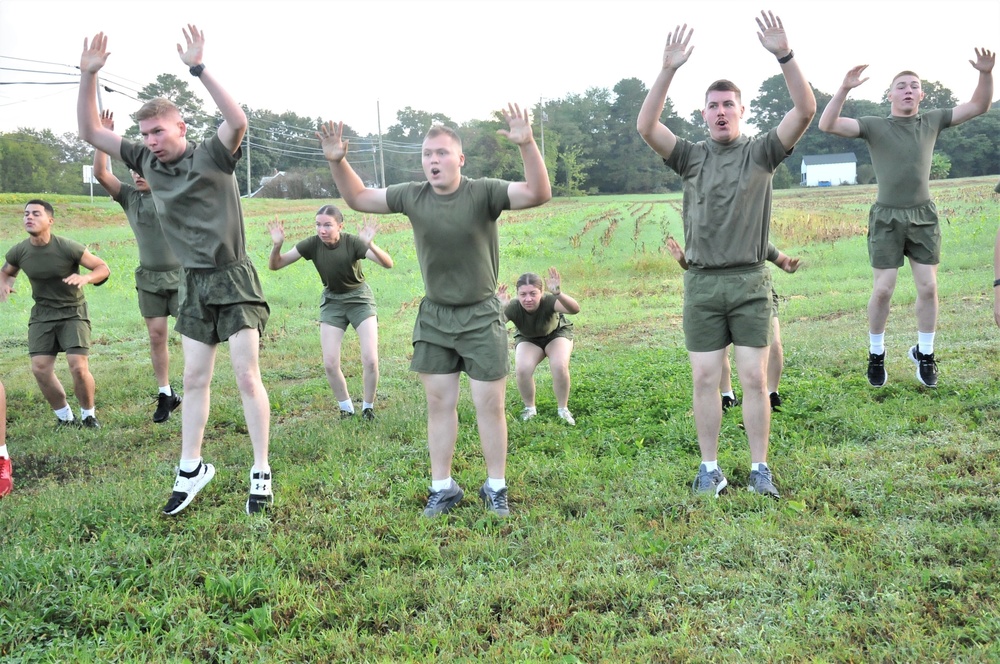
216, 303
157, 292
731, 307
897, 232
51, 337
472, 338
351, 308
774, 303
564, 331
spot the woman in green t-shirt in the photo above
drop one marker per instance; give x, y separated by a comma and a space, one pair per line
541, 331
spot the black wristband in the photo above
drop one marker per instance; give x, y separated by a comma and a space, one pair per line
996, 282
791, 54
197, 69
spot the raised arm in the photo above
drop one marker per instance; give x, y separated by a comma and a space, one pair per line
535, 190
102, 169
983, 95
655, 133
99, 272
277, 260
234, 120
355, 193
564, 303
772, 37
91, 61
375, 253
830, 121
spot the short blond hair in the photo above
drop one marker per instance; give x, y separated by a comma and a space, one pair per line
437, 129
157, 107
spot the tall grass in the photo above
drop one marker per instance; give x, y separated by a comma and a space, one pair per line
882, 548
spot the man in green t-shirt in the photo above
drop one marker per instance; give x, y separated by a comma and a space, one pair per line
59, 322
458, 326
158, 274
727, 213
903, 221
194, 192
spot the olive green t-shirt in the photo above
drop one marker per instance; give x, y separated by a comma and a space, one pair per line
541, 322
154, 252
901, 150
458, 246
727, 198
46, 267
339, 266
196, 200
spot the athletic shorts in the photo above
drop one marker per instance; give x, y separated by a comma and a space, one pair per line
731, 307
216, 303
564, 331
157, 292
472, 338
351, 308
51, 337
897, 232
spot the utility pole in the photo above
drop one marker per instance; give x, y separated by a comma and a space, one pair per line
381, 152
541, 121
249, 185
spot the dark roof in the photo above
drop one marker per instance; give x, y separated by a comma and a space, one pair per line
839, 158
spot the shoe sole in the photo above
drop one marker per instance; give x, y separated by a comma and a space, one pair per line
166, 417
209, 474
265, 502
764, 493
916, 363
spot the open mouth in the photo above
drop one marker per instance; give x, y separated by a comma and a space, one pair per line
435, 171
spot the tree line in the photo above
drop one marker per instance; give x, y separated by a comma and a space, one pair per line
589, 142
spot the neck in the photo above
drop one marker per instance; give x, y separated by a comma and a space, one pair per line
41, 239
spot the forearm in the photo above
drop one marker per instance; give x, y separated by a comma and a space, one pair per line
803, 99
828, 120
568, 303
380, 255
982, 97
536, 176
86, 107
274, 259
348, 183
652, 106
232, 113
99, 274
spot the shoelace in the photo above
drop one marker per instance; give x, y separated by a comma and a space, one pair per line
499, 499
707, 480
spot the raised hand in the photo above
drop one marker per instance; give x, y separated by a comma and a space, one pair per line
503, 295
554, 281
677, 52
108, 120
331, 139
772, 34
367, 231
519, 127
95, 55
853, 77
192, 53
277, 230
985, 60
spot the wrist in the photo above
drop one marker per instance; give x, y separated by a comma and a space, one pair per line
196, 70
996, 282
785, 58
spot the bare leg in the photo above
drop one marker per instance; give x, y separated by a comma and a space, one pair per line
244, 351
752, 365
925, 279
726, 382
775, 358
883, 285
558, 351
526, 357
83, 380
442, 421
330, 339
157, 329
44, 369
199, 365
3, 415
368, 338
706, 372
488, 397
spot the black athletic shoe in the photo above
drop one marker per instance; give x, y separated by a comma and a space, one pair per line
927, 371
346, 414
90, 422
775, 402
877, 376
165, 405
729, 402
368, 414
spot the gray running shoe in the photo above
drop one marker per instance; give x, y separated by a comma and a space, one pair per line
441, 502
528, 413
761, 482
496, 501
927, 371
709, 482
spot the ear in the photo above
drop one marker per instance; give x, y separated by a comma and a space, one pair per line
461, 160
183, 127
742, 110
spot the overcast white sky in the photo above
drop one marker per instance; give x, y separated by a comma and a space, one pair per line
339, 58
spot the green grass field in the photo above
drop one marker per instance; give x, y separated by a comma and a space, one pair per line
883, 547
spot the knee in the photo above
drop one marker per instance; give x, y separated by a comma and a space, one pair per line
369, 363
